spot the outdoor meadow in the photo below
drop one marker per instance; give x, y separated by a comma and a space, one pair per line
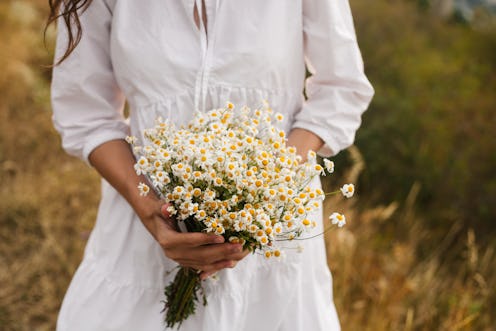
419, 249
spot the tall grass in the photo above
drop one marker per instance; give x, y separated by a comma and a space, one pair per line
382, 282
384, 277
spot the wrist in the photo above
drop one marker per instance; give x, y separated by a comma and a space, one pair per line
304, 140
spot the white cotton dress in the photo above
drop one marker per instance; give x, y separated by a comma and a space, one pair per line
151, 54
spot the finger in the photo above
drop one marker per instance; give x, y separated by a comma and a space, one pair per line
206, 255
212, 259
205, 273
171, 238
218, 266
239, 256
168, 228
214, 253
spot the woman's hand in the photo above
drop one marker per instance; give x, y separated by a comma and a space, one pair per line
204, 252
207, 253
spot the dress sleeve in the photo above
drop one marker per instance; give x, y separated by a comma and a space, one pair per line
86, 100
338, 91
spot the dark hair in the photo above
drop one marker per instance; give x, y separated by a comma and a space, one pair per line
69, 10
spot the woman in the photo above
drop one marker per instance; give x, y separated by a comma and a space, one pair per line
169, 58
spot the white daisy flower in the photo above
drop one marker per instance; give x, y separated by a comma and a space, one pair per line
267, 254
157, 164
143, 189
279, 117
171, 210
329, 165
131, 140
348, 190
278, 254
311, 156
337, 218
141, 167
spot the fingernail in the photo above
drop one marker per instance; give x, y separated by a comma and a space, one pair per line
219, 239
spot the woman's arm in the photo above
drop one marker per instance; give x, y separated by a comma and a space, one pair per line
304, 141
338, 90
206, 252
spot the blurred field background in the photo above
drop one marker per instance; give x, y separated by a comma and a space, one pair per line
419, 250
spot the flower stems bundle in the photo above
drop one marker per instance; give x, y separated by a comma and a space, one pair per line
229, 172
182, 295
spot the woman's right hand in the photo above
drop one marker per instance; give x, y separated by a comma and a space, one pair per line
207, 253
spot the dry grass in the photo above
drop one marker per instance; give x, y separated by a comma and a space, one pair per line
47, 200
383, 278
383, 282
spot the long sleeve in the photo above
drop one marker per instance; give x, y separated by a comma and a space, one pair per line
338, 91
86, 100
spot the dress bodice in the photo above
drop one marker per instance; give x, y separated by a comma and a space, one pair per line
153, 54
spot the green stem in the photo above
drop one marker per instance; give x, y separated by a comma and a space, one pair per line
332, 193
327, 229
181, 296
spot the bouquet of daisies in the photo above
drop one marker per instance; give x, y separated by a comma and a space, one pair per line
229, 172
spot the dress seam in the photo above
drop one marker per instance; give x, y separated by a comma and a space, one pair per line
160, 101
282, 90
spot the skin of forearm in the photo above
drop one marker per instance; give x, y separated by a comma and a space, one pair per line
114, 161
304, 140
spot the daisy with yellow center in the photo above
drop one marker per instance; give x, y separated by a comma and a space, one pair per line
337, 218
143, 189
348, 190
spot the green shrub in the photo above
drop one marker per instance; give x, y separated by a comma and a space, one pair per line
432, 118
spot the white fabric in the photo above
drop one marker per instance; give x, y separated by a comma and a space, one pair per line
152, 54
